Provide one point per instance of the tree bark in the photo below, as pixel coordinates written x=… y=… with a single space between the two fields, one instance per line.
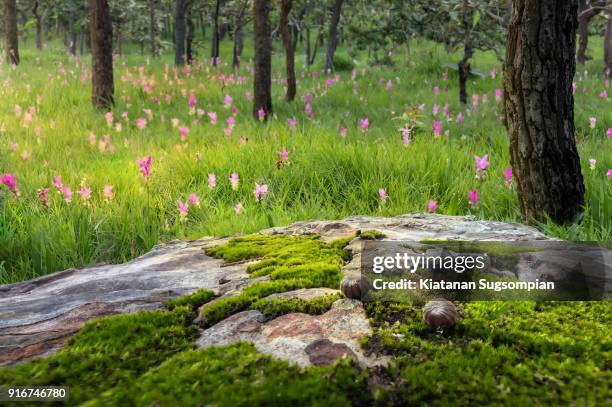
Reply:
x=289 y=50
x=586 y=11
x=10 y=31
x=214 y=49
x=72 y=16
x=190 y=34
x=262 y=81
x=38 y=19
x=608 y=47
x=238 y=39
x=333 y=35
x=468 y=52
x=153 y=27
x=101 y=34
x=179 y=32
x=539 y=106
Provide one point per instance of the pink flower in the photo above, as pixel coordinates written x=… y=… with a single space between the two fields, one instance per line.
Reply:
x=592 y=163
x=493 y=72
x=603 y=94
x=610 y=133
x=84 y=192
x=459 y=117
x=118 y=127
x=212 y=181
x=364 y=124
x=389 y=85
x=498 y=94
x=184 y=132
x=383 y=195
x=183 y=208
x=192 y=101
x=67 y=193
x=57 y=182
x=10 y=182
x=436 y=90
x=230 y=122
x=213 y=117
x=234 y=180
x=482 y=163
x=261 y=114
x=437 y=128
x=141 y=123
x=284 y=154
x=435 y=109
x=343 y=131
x=406 y=136
x=475 y=100
x=260 y=191
x=292 y=123
x=238 y=208
x=574 y=87
x=609 y=174
x=228 y=101
x=107 y=193
x=432 y=206
x=508 y=176
x=473 y=198
x=43 y=197
x=145 y=166
x=194 y=199
x=308 y=110
x=109 y=118
x=592 y=122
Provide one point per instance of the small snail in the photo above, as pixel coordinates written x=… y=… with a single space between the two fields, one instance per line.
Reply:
x=352 y=288
x=440 y=314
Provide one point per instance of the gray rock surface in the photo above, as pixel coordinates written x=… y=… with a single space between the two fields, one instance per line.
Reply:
x=37 y=316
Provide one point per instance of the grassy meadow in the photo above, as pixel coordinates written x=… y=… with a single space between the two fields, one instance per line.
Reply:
x=333 y=168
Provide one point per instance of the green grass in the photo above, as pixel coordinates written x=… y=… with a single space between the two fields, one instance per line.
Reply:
x=329 y=176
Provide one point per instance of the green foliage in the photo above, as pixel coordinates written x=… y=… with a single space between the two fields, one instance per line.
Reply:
x=274 y=307
x=291 y=262
x=343 y=62
x=192 y=300
x=372 y=235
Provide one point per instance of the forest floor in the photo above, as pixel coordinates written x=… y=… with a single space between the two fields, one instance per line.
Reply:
x=106 y=207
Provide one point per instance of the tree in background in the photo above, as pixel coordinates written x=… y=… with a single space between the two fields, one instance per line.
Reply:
x=10 y=31
x=238 y=13
x=333 y=35
x=586 y=11
x=216 y=36
x=608 y=43
x=289 y=48
x=179 y=32
x=539 y=106
x=101 y=34
x=262 y=81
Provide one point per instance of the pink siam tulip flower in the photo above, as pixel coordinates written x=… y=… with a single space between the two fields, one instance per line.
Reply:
x=574 y=87
x=284 y=154
x=432 y=206
x=382 y=194
x=260 y=191
x=228 y=101
x=364 y=124
x=261 y=114
x=592 y=122
x=194 y=199
x=437 y=128
x=435 y=109
x=389 y=85
x=603 y=94
x=485 y=99
x=238 y=208
x=292 y=123
x=10 y=182
x=183 y=208
x=67 y=193
x=43 y=197
x=234 y=180
x=508 y=176
x=609 y=174
x=482 y=163
x=498 y=95
x=475 y=102
x=473 y=198
x=308 y=110
x=141 y=123
x=145 y=166
x=84 y=192
x=18 y=110
x=493 y=72
x=109 y=119
x=234 y=111
x=228 y=131
x=459 y=117
x=436 y=90
x=192 y=102
x=610 y=133
x=213 y=117
x=230 y=122
x=212 y=180
x=343 y=131
x=592 y=163
x=107 y=193
x=406 y=136
x=118 y=127
x=184 y=133
x=57 y=182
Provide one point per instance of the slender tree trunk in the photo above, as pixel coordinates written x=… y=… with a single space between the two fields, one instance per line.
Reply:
x=608 y=47
x=586 y=11
x=238 y=39
x=72 y=29
x=214 y=49
x=289 y=50
x=318 y=42
x=333 y=35
x=153 y=27
x=468 y=52
x=307 y=46
x=179 y=32
x=10 y=31
x=190 y=34
x=101 y=32
x=202 y=25
x=38 y=19
x=262 y=81
x=539 y=105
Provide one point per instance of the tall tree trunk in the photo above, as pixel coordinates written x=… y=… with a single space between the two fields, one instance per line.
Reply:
x=318 y=42
x=72 y=16
x=190 y=34
x=289 y=50
x=214 y=49
x=539 y=104
x=10 y=31
x=333 y=35
x=262 y=81
x=238 y=39
x=202 y=25
x=179 y=32
x=101 y=33
x=608 y=47
x=586 y=11
x=38 y=19
x=468 y=52
x=307 y=46
x=153 y=27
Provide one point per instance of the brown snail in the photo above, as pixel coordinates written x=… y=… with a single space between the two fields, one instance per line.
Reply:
x=440 y=314
x=352 y=288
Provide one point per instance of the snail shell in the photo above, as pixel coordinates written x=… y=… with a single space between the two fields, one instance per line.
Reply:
x=440 y=313
x=352 y=288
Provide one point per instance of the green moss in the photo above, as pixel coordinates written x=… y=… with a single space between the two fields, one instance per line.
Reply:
x=291 y=262
x=108 y=353
x=274 y=307
x=192 y=300
x=372 y=235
